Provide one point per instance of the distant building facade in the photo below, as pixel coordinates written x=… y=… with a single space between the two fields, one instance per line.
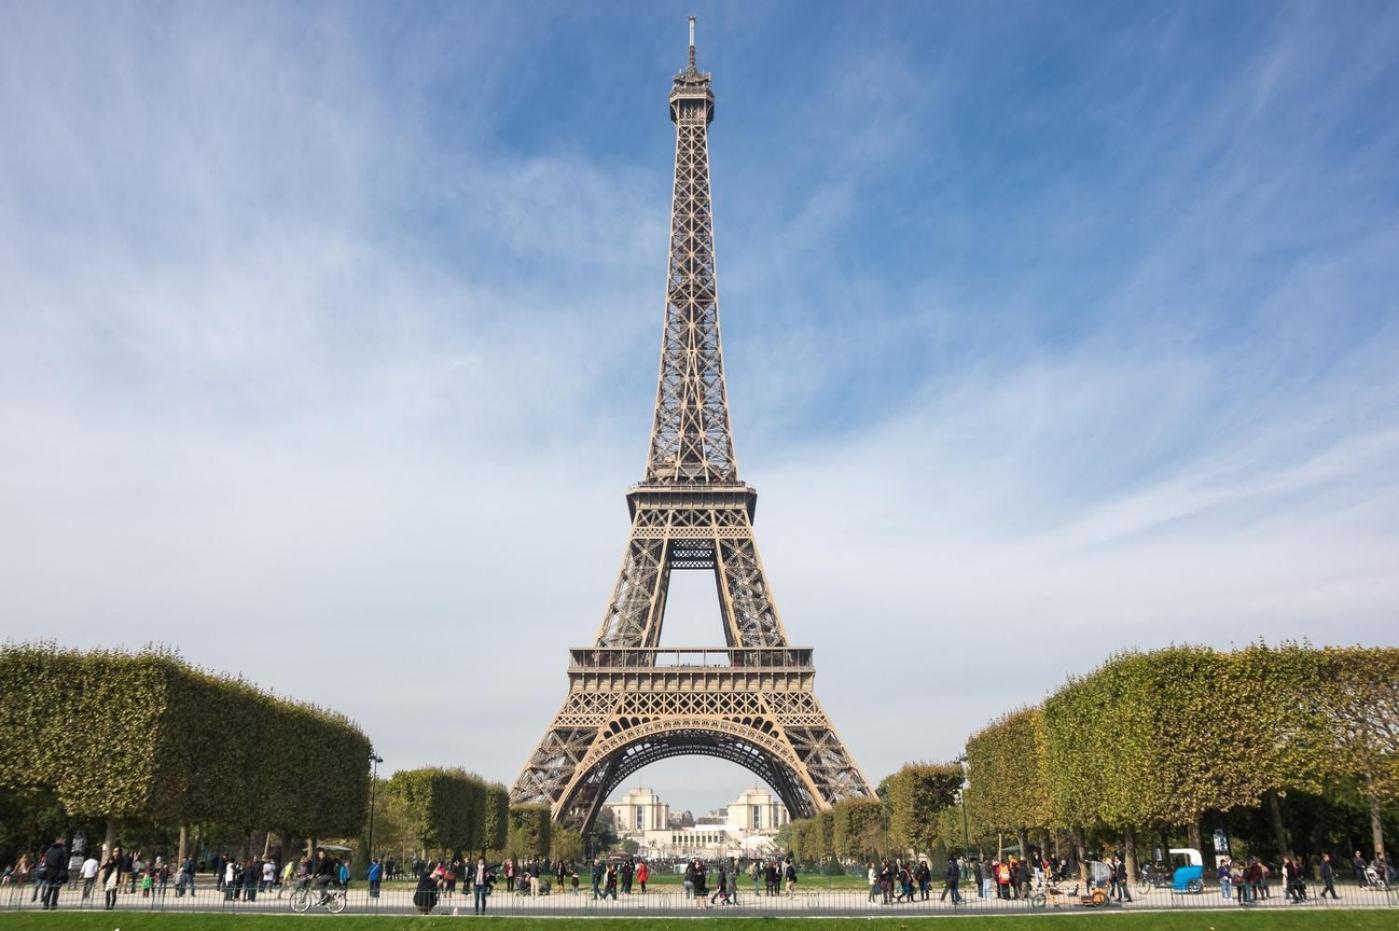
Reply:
x=744 y=827
x=639 y=810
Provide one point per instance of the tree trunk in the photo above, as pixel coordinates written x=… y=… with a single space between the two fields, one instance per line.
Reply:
x=1023 y=841
x=110 y=841
x=1044 y=843
x=1376 y=825
x=1275 y=820
x=184 y=845
x=1079 y=855
x=1059 y=845
x=1129 y=849
x=266 y=845
x=1192 y=832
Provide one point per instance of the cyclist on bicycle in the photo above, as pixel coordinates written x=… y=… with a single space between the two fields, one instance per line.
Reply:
x=324 y=873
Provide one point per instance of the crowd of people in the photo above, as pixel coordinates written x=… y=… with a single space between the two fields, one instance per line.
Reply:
x=125 y=872
x=891 y=881
x=119 y=872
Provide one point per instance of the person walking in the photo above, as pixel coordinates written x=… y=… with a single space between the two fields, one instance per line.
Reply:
x=951 y=882
x=643 y=873
x=609 y=882
x=375 y=876
x=720 y=893
x=186 y=881
x=598 y=873
x=1118 y=880
x=89 y=874
x=1328 y=877
x=55 y=872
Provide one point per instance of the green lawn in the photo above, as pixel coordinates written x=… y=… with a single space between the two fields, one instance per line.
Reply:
x=1329 y=920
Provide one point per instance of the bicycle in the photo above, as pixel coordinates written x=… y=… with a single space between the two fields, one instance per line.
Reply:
x=306 y=897
x=1154 y=876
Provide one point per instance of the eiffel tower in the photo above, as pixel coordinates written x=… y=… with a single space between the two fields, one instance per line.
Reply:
x=631 y=702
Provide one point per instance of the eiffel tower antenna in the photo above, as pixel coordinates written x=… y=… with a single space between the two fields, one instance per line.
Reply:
x=632 y=702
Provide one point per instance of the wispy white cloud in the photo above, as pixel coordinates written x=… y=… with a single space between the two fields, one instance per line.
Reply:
x=315 y=365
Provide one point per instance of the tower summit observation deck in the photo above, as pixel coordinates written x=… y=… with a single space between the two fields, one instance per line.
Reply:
x=631 y=702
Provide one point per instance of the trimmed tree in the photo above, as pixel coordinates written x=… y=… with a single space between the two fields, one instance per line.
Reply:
x=440 y=807
x=495 y=808
x=1358 y=696
x=857 y=829
x=529 y=834
x=914 y=796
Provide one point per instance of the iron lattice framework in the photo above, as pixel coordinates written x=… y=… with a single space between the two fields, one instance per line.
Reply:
x=630 y=702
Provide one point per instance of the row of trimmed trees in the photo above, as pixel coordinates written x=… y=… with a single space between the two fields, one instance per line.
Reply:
x=142 y=743
x=446 y=813
x=145 y=737
x=1159 y=739
x=907 y=815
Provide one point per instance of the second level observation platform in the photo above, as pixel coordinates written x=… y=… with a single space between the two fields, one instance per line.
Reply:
x=686 y=669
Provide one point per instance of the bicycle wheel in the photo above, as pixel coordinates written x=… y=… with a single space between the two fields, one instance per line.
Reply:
x=1194 y=886
x=1038 y=900
x=336 y=905
x=301 y=900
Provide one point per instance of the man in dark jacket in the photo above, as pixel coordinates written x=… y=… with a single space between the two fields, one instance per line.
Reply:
x=1328 y=877
x=950 y=882
x=55 y=872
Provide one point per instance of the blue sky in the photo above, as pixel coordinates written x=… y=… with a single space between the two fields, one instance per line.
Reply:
x=326 y=329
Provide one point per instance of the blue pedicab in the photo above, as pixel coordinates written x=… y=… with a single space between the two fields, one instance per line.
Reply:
x=1189 y=872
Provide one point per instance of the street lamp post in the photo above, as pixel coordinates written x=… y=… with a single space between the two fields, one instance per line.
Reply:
x=374 y=760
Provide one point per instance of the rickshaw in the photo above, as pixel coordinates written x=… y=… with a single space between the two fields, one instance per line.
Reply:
x=1095 y=892
x=1189 y=873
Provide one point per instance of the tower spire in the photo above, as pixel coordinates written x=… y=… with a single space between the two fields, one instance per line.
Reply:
x=690 y=439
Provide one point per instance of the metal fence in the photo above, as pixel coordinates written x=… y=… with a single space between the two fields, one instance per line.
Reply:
x=671 y=901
